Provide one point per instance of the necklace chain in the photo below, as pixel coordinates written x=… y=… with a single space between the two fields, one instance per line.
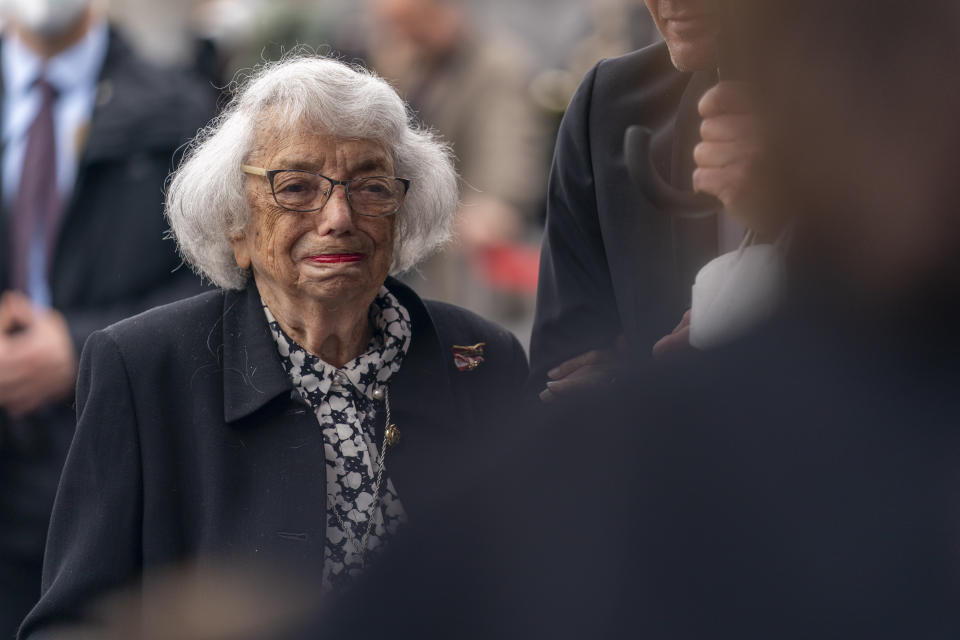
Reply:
x=361 y=547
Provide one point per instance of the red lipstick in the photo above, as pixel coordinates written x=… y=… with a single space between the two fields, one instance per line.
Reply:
x=336 y=258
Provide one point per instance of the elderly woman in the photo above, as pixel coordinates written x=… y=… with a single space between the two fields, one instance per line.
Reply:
x=301 y=412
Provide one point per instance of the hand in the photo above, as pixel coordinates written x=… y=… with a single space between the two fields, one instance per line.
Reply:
x=730 y=156
x=38 y=363
x=677 y=341
x=16 y=313
x=587 y=371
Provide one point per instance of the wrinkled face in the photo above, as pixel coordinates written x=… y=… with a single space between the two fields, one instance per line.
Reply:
x=332 y=255
x=690 y=28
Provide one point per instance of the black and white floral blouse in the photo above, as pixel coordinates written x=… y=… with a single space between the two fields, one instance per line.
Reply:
x=344 y=403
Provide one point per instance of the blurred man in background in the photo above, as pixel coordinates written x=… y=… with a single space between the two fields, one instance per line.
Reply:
x=89 y=133
x=474 y=89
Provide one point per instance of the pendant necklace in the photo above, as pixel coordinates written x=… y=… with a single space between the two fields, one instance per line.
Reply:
x=391 y=436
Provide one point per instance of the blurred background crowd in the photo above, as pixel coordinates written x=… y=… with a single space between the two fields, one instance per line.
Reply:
x=492 y=76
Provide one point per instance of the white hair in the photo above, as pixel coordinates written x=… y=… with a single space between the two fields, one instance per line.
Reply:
x=206 y=203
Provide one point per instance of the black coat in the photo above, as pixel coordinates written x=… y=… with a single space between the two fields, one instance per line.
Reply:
x=110 y=261
x=192 y=441
x=612 y=262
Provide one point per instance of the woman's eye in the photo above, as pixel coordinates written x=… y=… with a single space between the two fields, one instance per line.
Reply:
x=294 y=187
x=374 y=188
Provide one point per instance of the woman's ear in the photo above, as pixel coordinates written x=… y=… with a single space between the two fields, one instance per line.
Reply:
x=241 y=251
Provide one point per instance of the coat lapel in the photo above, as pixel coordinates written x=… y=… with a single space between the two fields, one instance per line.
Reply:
x=423 y=408
x=274 y=446
x=252 y=372
x=637 y=233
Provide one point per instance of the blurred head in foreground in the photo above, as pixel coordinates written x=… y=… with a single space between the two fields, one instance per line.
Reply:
x=862 y=101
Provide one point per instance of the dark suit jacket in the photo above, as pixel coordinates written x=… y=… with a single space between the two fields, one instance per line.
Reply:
x=110 y=260
x=192 y=441
x=612 y=262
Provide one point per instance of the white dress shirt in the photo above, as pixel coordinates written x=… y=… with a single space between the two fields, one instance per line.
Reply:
x=74 y=73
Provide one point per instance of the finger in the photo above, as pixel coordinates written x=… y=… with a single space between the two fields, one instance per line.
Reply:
x=684 y=321
x=568 y=386
x=20 y=360
x=726 y=128
x=586 y=378
x=679 y=341
x=547 y=396
x=16 y=311
x=573 y=364
x=13 y=390
x=726 y=183
x=565 y=386
x=6 y=312
x=16 y=393
x=12 y=362
x=727 y=98
x=721 y=154
x=16 y=300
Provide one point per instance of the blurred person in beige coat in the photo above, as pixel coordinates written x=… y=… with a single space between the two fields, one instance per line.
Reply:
x=473 y=88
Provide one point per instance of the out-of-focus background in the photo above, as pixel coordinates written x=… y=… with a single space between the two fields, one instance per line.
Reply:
x=493 y=77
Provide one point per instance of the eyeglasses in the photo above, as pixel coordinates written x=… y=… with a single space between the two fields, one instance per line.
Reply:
x=305 y=191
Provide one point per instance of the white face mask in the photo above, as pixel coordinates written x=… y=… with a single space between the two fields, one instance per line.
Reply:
x=46 y=18
x=734 y=293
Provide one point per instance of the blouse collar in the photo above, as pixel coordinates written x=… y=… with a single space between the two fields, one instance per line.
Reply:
x=367 y=372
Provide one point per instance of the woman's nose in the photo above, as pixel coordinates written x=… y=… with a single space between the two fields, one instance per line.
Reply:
x=336 y=216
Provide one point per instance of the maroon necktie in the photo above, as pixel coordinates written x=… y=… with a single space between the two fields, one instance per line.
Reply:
x=37 y=202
